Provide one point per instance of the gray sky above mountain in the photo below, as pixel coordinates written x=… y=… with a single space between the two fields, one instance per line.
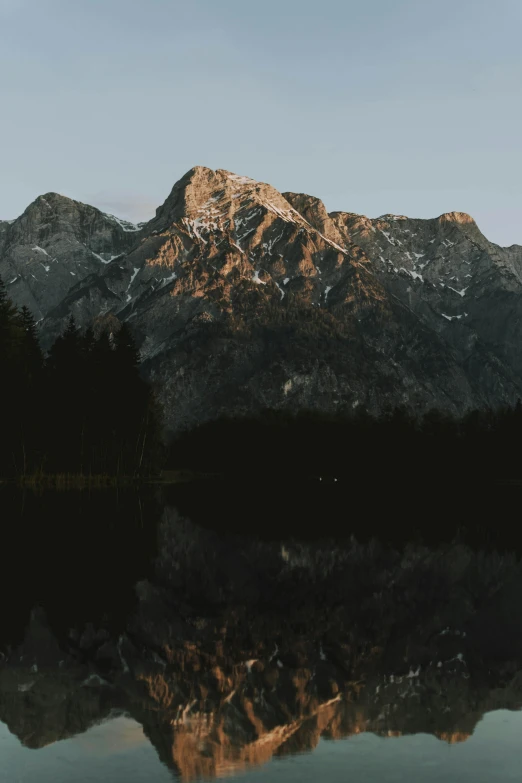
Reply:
x=411 y=106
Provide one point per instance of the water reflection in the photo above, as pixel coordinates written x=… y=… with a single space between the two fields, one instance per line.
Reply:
x=117 y=750
x=134 y=630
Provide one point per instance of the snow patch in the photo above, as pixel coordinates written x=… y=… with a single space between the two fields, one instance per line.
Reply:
x=281 y=291
x=453 y=317
x=133 y=276
x=124 y=663
x=126 y=225
x=239 y=179
x=284 y=214
x=268 y=246
x=244 y=236
x=93 y=679
x=196 y=225
x=167 y=280
x=414 y=275
x=333 y=244
x=108 y=261
x=102 y=259
x=327 y=291
x=460 y=293
x=256 y=279
x=40 y=249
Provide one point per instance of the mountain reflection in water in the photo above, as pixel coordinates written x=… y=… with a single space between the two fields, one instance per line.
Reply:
x=105 y=753
x=131 y=627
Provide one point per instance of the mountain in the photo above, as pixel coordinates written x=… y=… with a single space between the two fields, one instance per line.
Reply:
x=244 y=298
x=56 y=243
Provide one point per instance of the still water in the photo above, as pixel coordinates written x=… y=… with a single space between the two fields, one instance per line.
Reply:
x=117 y=751
x=197 y=635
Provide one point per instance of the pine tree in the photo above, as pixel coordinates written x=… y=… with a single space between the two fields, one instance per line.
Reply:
x=4 y=301
x=137 y=415
x=126 y=352
x=10 y=326
x=12 y=382
x=65 y=392
x=32 y=352
x=87 y=342
x=84 y=409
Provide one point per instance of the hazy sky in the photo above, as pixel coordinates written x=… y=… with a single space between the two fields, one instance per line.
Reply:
x=404 y=106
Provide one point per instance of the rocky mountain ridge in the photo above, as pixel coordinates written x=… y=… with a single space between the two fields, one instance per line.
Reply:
x=53 y=242
x=244 y=298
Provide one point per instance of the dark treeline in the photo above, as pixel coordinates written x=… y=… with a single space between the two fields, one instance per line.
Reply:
x=82 y=409
x=482 y=445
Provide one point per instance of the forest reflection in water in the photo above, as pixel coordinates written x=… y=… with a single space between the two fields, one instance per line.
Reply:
x=225 y=648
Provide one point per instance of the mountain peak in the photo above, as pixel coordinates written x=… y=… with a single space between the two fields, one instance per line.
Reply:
x=390 y=216
x=51 y=203
x=203 y=190
x=457 y=217
x=55 y=204
x=52 y=198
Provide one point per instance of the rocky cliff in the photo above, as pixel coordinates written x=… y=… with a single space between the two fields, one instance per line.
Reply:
x=56 y=244
x=244 y=298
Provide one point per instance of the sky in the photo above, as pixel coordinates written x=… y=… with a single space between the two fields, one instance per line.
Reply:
x=410 y=107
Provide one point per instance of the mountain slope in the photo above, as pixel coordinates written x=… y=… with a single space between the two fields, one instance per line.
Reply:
x=56 y=242
x=243 y=298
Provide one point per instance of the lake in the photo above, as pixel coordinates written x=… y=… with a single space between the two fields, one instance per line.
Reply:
x=118 y=751
x=257 y=633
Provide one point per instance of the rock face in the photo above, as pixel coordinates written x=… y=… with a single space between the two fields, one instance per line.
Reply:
x=243 y=298
x=55 y=244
